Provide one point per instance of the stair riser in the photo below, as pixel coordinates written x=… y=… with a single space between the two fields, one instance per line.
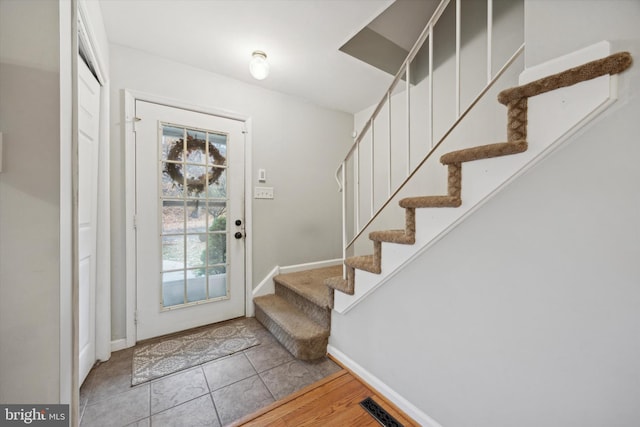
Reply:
x=320 y=315
x=307 y=350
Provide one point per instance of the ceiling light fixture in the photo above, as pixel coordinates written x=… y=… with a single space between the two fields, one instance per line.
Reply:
x=258 y=66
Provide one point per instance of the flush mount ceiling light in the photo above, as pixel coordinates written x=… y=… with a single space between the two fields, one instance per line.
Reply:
x=258 y=66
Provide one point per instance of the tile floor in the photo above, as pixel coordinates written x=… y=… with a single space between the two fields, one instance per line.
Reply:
x=213 y=394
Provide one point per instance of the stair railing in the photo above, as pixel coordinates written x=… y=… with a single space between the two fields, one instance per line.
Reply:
x=351 y=231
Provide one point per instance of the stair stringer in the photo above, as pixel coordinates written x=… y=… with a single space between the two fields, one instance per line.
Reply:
x=553 y=117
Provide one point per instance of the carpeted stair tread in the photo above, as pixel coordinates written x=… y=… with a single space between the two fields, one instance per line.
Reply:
x=431 y=202
x=612 y=64
x=339 y=284
x=393 y=236
x=364 y=262
x=292 y=320
x=310 y=283
x=484 y=152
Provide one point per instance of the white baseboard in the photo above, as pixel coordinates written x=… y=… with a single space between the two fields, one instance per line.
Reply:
x=310 y=265
x=402 y=403
x=118 y=345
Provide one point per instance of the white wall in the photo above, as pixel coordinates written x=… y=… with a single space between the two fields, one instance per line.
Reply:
x=29 y=202
x=527 y=313
x=298 y=143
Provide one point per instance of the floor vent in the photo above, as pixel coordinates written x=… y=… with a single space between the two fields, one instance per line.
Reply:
x=378 y=412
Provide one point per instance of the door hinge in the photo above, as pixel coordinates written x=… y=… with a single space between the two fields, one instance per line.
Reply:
x=135 y=317
x=135 y=123
x=135 y=221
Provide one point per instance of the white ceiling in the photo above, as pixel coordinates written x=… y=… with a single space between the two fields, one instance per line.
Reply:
x=300 y=37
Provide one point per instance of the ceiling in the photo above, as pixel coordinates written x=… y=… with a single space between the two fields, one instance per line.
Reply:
x=300 y=37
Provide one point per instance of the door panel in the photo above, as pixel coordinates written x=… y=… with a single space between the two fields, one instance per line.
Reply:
x=189 y=193
x=88 y=152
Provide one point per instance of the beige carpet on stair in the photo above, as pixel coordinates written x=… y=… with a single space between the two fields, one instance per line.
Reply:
x=172 y=354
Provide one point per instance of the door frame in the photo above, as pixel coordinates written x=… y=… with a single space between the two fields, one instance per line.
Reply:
x=73 y=17
x=128 y=122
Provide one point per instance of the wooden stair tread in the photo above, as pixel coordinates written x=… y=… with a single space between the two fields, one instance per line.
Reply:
x=309 y=284
x=484 y=152
x=393 y=236
x=431 y=202
x=365 y=262
x=290 y=318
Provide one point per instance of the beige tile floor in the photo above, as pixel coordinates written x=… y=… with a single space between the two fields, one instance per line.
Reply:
x=213 y=394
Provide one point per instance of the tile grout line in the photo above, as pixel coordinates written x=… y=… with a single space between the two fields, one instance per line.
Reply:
x=213 y=402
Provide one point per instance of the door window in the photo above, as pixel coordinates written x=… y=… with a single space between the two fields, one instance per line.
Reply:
x=193 y=203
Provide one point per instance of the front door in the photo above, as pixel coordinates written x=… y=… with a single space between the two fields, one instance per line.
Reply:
x=189 y=219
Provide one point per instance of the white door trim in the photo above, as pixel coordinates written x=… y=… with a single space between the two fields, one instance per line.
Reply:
x=130 y=97
x=68 y=381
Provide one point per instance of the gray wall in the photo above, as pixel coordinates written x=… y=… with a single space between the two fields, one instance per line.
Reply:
x=527 y=313
x=298 y=143
x=29 y=202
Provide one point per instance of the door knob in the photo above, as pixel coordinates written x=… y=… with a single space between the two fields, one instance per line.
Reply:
x=238 y=222
x=238 y=235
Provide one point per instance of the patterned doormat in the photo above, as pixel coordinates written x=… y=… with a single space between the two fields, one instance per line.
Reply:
x=173 y=354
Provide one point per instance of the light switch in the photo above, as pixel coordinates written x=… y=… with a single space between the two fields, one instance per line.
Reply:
x=262 y=175
x=263 y=193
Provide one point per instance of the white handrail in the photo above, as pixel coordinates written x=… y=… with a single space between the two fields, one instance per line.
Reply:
x=405 y=72
x=337 y=177
x=499 y=74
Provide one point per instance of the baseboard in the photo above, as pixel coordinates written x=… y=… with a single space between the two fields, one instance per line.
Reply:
x=118 y=345
x=310 y=265
x=386 y=391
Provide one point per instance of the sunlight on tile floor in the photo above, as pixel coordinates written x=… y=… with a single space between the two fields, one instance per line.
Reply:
x=213 y=394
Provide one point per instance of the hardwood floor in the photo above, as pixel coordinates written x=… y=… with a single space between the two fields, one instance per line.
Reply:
x=334 y=401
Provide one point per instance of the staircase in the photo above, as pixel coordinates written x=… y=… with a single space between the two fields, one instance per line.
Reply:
x=299 y=313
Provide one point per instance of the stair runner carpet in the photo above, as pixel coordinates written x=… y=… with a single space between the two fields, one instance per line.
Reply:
x=299 y=313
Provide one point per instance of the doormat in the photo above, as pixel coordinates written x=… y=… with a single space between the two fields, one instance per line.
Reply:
x=173 y=354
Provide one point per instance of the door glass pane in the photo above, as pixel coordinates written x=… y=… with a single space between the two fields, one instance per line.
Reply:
x=196 y=287
x=219 y=142
x=172 y=252
x=172 y=216
x=170 y=188
x=196 y=250
x=217 y=182
x=172 y=138
x=173 y=288
x=217 y=282
x=217 y=248
x=194 y=224
x=196 y=179
x=196 y=216
x=217 y=216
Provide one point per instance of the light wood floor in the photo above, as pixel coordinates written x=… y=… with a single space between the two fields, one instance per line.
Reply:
x=334 y=401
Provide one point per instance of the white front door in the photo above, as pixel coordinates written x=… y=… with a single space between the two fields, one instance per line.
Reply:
x=88 y=152
x=189 y=219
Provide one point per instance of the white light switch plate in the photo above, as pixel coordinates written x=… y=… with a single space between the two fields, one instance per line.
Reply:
x=263 y=193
